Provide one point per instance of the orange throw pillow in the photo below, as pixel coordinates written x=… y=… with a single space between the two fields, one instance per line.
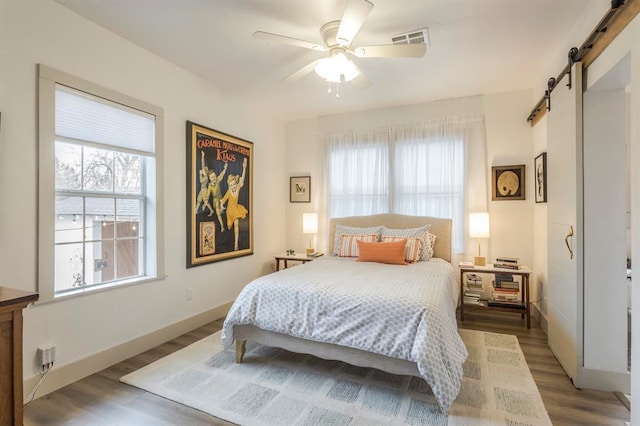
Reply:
x=391 y=253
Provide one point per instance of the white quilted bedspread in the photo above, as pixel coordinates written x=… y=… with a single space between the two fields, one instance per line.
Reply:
x=405 y=312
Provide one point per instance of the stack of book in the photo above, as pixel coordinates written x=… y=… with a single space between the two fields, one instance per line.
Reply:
x=474 y=292
x=474 y=281
x=507 y=263
x=506 y=292
x=471 y=298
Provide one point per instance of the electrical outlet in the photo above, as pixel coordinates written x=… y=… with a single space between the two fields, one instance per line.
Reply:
x=189 y=293
x=47 y=356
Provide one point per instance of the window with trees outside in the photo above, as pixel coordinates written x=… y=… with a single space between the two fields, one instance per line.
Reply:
x=98 y=186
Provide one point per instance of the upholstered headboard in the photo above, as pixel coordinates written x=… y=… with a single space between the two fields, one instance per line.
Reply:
x=440 y=227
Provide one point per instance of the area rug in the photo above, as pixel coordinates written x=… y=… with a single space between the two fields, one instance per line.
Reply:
x=276 y=387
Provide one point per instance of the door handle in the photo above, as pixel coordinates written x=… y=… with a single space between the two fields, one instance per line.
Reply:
x=566 y=241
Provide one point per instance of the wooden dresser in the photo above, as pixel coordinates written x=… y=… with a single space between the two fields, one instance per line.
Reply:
x=11 y=304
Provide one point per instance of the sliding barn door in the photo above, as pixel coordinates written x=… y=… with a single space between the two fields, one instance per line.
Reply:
x=564 y=174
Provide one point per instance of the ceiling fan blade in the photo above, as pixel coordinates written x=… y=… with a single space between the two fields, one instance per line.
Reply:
x=361 y=81
x=355 y=12
x=296 y=75
x=415 y=50
x=276 y=38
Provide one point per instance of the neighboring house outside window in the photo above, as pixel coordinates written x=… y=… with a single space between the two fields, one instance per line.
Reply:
x=99 y=209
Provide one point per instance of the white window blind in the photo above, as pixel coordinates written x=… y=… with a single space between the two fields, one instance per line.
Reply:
x=89 y=118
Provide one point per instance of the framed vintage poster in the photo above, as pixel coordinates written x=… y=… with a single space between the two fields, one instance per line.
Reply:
x=219 y=196
x=300 y=189
x=540 y=167
x=508 y=182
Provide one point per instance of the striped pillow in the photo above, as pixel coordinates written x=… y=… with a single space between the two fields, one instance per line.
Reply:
x=352 y=230
x=421 y=232
x=391 y=253
x=412 y=249
x=348 y=246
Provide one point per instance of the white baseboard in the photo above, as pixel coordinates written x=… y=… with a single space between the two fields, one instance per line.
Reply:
x=59 y=377
x=608 y=381
x=537 y=314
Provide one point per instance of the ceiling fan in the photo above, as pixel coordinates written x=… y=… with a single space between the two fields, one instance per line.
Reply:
x=337 y=39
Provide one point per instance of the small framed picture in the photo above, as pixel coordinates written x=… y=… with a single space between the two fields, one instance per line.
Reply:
x=508 y=183
x=300 y=189
x=540 y=167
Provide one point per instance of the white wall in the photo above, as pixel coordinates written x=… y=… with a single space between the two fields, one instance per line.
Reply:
x=577 y=31
x=42 y=31
x=509 y=141
x=628 y=42
x=540 y=274
x=551 y=66
x=605 y=210
x=599 y=354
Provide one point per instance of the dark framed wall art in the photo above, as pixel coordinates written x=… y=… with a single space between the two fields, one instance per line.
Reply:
x=300 y=189
x=508 y=183
x=540 y=168
x=219 y=196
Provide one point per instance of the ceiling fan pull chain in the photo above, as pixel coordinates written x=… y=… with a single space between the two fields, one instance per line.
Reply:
x=329 y=83
x=338 y=90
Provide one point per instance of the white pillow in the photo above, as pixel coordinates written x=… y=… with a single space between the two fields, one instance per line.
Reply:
x=352 y=230
x=422 y=233
x=430 y=244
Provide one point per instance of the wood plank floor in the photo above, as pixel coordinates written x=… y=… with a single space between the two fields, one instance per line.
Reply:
x=101 y=399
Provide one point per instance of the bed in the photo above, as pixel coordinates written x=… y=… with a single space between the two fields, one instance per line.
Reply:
x=398 y=319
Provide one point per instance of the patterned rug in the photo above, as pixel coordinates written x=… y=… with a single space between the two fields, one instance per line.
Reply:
x=276 y=387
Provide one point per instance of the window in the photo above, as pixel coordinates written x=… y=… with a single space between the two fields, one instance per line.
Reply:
x=415 y=170
x=99 y=213
x=429 y=176
x=358 y=178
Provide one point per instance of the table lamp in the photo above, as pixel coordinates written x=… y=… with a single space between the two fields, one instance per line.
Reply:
x=479 y=228
x=310 y=226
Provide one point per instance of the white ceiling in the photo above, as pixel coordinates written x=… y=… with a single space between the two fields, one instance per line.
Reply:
x=477 y=46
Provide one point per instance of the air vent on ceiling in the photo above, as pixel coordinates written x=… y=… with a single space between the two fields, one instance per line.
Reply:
x=417 y=36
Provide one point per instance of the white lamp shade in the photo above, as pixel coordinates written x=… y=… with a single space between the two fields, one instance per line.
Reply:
x=479 y=225
x=337 y=68
x=309 y=223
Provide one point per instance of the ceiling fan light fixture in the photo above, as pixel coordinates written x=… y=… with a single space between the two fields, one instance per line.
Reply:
x=337 y=69
x=343 y=42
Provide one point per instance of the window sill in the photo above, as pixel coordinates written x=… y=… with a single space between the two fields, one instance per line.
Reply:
x=99 y=289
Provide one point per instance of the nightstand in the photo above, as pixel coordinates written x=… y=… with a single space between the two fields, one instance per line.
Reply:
x=521 y=308
x=303 y=258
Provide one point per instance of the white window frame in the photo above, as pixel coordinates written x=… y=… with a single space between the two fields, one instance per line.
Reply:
x=154 y=211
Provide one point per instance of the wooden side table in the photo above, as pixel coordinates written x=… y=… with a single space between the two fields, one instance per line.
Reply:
x=293 y=257
x=523 y=308
x=11 y=304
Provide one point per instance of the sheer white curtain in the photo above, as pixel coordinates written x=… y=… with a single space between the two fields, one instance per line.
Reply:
x=440 y=169
x=357 y=173
x=436 y=168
